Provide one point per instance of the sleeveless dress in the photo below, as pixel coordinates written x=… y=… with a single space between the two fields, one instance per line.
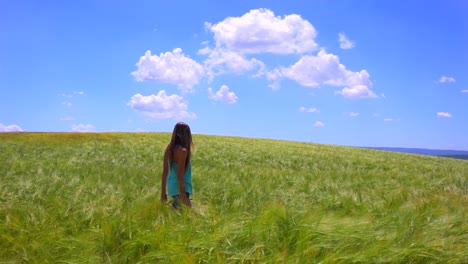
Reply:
x=173 y=182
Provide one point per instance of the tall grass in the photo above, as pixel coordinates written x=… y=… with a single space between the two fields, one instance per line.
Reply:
x=94 y=198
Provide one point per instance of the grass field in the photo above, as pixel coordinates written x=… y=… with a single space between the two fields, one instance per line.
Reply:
x=94 y=198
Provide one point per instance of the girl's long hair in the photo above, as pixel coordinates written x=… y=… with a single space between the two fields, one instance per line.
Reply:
x=181 y=136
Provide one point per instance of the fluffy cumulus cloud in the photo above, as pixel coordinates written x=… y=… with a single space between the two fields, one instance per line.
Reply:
x=444 y=114
x=83 y=128
x=358 y=91
x=345 y=43
x=445 y=79
x=161 y=106
x=237 y=40
x=10 y=128
x=260 y=31
x=464 y=91
x=312 y=71
x=353 y=114
x=223 y=95
x=326 y=69
x=170 y=67
x=222 y=61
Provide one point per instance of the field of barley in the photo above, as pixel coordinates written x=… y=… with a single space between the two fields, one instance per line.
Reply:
x=94 y=198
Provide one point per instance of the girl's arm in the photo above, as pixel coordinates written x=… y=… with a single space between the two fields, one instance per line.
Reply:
x=164 y=177
x=180 y=157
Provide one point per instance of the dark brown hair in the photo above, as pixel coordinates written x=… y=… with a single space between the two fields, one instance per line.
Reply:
x=181 y=136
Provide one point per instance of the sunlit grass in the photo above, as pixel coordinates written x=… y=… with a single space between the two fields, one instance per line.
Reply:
x=94 y=198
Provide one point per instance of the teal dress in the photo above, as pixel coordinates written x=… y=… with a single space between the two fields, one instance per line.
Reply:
x=173 y=183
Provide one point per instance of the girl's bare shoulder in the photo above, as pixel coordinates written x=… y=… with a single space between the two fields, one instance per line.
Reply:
x=180 y=153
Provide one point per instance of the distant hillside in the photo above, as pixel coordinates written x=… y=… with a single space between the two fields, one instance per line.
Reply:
x=465 y=157
x=458 y=154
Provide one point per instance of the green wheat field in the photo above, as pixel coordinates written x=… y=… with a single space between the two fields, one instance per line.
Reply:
x=94 y=198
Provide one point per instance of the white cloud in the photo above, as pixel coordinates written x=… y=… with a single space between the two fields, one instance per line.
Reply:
x=345 y=43
x=67 y=118
x=444 y=114
x=274 y=76
x=83 y=128
x=388 y=119
x=170 y=67
x=445 y=79
x=312 y=71
x=326 y=69
x=208 y=26
x=205 y=51
x=67 y=104
x=10 y=128
x=358 y=91
x=319 y=124
x=161 y=106
x=221 y=61
x=223 y=95
x=309 y=110
x=260 y=31
x=71 y=95
x=353 y=114
x=464 y=91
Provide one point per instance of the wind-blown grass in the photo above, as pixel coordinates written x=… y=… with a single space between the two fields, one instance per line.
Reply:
x=94 y=198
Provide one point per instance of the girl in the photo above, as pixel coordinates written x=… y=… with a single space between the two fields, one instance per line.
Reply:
x=177 y=167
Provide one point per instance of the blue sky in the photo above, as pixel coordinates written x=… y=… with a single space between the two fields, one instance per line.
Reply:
x=357 y=73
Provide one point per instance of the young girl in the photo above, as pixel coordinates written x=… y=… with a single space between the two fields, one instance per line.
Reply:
x=177 y=167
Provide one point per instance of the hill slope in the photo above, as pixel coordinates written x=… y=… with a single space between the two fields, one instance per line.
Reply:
x=93 y=198
x=458 y=154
